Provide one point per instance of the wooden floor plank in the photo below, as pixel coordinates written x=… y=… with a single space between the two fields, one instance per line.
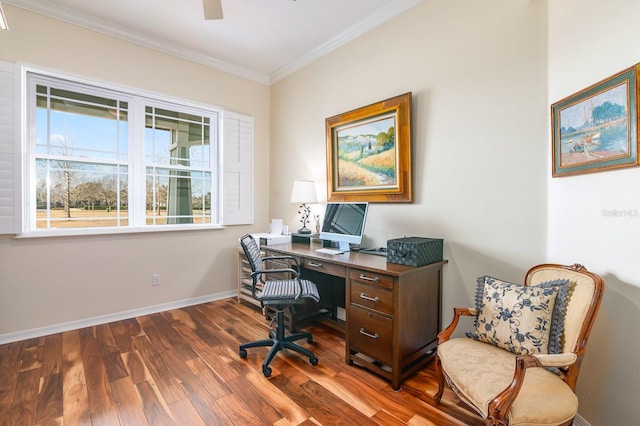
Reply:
x=155 y=409
x=8 y=381
x=123 y=333
x=182 y=367
x=25 y=399
x=49 y=406
x=75 y=399
x=158 y=370
x=238 y=412
x=206 y=405
x=101 y=406
x=136 y=367
x=11 y=353
x=184 y=413
x=208 y=379
x=254 y=400
x=128 y=403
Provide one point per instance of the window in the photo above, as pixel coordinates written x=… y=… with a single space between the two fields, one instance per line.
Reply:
x=83 y=158
x=101 y=159
x=80 y=155
x=178 y=167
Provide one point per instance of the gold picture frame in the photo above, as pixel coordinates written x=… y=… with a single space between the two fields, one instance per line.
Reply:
x=369 y=153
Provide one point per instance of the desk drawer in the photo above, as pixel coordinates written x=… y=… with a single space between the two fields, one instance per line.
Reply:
x=324 y=267
x=370 y=333
x=372 y=297
x=371 y=278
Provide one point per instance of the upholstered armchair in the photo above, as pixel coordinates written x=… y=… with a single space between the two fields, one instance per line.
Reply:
x=520 y=364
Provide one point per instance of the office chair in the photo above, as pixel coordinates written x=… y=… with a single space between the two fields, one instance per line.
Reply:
x=279 y=294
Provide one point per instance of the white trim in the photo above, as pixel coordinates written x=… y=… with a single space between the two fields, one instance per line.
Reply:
x=580 y=421
x=136 y=99
x=71 y=232
x=117 y=316
x=93 y=23
x=7 y=149
x=237 y=169
x=109 y=28
x=26 y=68
x=384 y=14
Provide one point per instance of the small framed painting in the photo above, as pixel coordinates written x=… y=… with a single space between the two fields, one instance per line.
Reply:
x=369 y=153
x=596 y=129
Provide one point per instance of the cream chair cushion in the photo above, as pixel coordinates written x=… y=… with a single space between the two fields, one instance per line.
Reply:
x=578 y=304
x=543 y=400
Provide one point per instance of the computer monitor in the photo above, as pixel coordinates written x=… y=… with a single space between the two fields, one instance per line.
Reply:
x=344 y=223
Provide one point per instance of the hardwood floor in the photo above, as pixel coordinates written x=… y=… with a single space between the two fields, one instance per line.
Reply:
x=181 y=367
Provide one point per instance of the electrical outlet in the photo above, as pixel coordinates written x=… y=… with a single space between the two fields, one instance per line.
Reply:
x=155 y=279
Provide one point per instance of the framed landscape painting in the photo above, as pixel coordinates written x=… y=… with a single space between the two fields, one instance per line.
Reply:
x=596 y=129
x=369 y=153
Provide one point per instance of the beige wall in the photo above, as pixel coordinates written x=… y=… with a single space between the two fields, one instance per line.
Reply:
x=483 y=76
x=49 y=281
x=482 y=85
x=477 y=73
x=590 y=40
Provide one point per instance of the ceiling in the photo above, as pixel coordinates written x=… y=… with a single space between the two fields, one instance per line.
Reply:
x=263 y=40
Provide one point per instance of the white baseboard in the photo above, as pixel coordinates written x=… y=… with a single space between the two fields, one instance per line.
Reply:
x=580 y=421
x=103 y=319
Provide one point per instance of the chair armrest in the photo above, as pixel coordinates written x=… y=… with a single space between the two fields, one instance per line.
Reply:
x=256 y=275
x=282 y=257
x=267 y=272
x=556 y=360
x=445 y=334
x=500 y=405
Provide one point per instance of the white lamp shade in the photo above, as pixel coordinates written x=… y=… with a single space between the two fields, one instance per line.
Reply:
x=304 y=191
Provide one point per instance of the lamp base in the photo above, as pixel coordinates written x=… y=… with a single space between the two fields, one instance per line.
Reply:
x=304 y=230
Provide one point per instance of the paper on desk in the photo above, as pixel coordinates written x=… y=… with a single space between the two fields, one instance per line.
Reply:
x=276 y=227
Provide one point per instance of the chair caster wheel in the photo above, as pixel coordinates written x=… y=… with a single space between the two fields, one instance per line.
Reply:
x=266 y=371
x=313 y=360
x=309 y=339
x=243 y=353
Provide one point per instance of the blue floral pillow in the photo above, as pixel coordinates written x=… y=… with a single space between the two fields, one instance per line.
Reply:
x=521 y=319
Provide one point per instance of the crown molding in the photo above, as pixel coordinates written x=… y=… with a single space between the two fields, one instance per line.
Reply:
x=108 y=28
x=382 y=15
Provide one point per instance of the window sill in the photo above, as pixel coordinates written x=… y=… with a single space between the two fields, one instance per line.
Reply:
x=113 y=231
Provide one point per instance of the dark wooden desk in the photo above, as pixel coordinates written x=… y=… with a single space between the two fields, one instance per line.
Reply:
x=393 y=312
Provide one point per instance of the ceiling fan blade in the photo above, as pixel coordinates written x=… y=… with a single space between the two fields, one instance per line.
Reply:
x=212 y=9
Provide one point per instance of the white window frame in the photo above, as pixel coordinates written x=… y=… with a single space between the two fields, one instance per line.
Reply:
x=224 y=215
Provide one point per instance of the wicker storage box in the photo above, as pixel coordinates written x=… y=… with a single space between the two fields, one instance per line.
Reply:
x=414 y=251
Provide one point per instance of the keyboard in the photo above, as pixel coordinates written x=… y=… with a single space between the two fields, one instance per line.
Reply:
x=329 y=251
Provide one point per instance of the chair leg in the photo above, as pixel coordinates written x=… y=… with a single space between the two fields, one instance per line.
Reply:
x=440 y=378
x=278 y=343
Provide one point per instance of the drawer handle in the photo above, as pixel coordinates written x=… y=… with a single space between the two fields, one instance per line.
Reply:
x=366 y=278
x=315 y=265
x=373 y=336
x=371 y=299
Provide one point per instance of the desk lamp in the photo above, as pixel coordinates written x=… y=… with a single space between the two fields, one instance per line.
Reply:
x=304 y=191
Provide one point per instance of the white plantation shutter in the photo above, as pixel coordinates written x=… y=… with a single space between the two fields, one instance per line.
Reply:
x=8 y=211
x=237 y=169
